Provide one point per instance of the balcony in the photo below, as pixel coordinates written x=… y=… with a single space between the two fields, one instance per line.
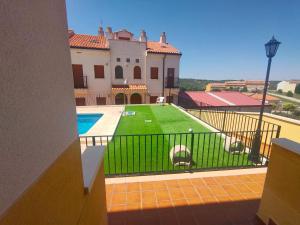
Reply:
x=80 y=82
x=171 y=82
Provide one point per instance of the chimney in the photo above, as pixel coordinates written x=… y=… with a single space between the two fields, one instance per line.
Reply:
x=143 y=36
x=71 y=33
x=109 y=33
x=163 y=38
x=100 y=31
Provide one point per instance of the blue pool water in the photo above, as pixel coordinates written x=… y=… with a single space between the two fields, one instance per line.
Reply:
x=86 y=121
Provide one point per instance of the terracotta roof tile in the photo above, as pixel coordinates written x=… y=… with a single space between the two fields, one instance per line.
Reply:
x=157 y=47
x=88 y=41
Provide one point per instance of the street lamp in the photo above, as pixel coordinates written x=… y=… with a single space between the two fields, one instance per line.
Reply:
x=271 y=49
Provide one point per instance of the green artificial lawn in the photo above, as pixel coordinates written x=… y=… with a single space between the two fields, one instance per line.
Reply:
x=142 y=143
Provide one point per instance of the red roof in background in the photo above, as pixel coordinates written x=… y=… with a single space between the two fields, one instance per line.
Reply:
x=203 y=97
x=236 y=98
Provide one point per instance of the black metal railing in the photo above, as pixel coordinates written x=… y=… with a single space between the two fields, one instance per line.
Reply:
x=80 y=82
x=179 y=152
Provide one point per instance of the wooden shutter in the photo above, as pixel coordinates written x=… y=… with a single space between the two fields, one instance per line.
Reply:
x=154 y=72
x=99 y=71
x=153 y=99
x=101 y=100
x=137 y=73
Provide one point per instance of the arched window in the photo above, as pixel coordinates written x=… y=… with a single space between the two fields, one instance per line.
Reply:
x=137 y=73
x=118 y=72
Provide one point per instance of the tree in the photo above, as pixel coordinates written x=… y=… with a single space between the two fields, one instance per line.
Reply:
x=297 y=89
x=289 y=107
x=244 y=89
x=279 y=91
x=289 y=94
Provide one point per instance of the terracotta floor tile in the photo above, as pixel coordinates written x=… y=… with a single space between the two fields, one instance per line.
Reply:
x=118 y=208
x=120 y=188
x=222 y=180
x=189 y=192
x=217 y=190
x=179 y=202
x=133 y=187
x=231 y=189
x=164 y=204
x=118 y=198
x=149 y=196
x=210 y=181
x=149 y=205
x=223 y=199
x=198 y=182
x=147 y=186
x=184 y=183
x=194 y=201
x=237 y=197
x=243 y=188
x=172 y=184
x=163 y=195
x=254 y=187
x=204 y=192
x=109 y=187
x=211 y=199
x=133 y=197
x=176 y=194
x=134 y=206
x=159 y=185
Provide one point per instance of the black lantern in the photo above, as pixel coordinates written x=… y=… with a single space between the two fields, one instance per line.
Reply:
x=271 y=47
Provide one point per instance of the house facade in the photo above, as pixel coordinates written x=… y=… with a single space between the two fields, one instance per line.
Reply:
x=115 y=67
x=251 y=85
x=287 y=86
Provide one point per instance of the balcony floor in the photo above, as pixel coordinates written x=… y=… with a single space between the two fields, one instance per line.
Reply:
x=218 y=200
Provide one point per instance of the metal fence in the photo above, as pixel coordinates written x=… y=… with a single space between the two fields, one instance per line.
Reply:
x=179 y=152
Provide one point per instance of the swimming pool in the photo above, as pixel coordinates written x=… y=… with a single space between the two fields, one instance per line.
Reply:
x=86 y=121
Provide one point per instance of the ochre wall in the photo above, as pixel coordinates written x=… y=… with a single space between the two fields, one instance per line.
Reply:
x=280 y=199
x=57 y=196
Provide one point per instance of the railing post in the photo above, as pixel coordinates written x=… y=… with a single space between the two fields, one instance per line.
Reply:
x=192 y=148
x=224 y=121
x=94 y=140
x=278 y=131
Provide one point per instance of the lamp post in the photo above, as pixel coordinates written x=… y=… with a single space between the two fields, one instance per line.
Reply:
x=271 y=49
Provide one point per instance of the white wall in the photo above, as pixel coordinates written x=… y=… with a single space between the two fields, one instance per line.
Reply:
x=286 y=86
x=88 y=58
x=37 y=116
x=127 y=49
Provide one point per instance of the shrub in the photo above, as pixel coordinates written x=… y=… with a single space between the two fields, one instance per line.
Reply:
x=244 y=89
x=289 y=107
x=289 y=94
x=279 y=91
x=237 y=147
x=296 y=113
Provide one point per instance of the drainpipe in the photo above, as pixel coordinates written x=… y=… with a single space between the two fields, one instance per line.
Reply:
x=163 y=83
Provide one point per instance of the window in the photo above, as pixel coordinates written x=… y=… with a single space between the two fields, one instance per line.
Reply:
x=118 y=60
x=153 y=99
x=137 y=60
x=154 y=73
x=128 y=60
x=118 y=72
x=137 y=73
x=99 y=71
x=80 y=101
x=101 y=100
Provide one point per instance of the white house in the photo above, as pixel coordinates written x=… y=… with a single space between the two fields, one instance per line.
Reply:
x=115 y=67
x=286 y=86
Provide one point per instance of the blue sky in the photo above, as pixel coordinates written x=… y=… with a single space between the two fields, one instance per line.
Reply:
x=219 y=39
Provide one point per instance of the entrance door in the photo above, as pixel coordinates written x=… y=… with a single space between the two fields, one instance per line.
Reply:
x=78 y=75
x=170 y=77
x=135 y=99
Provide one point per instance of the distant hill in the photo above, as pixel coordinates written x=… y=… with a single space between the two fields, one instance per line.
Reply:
x=187 y=84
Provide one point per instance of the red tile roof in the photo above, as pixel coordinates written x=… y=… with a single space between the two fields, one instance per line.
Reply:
x=259 y=96
x=157 y=47
x=88 y=41
x=236 y=98
x=100 y=42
